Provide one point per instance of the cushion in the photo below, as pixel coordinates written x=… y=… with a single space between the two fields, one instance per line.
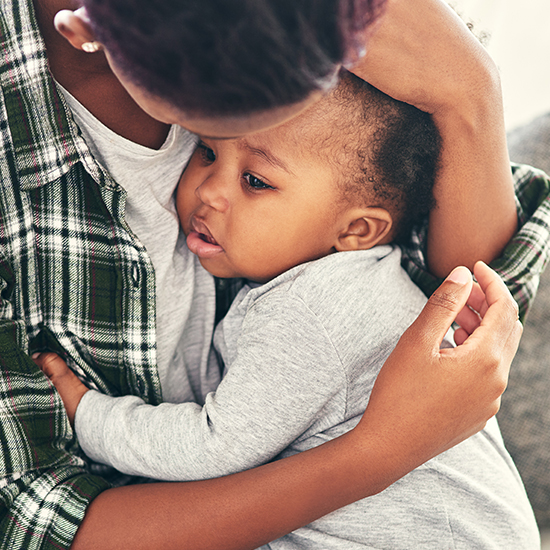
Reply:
x=525 y=412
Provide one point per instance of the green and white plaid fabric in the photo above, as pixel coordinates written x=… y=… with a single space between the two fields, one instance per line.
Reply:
x=75 y=280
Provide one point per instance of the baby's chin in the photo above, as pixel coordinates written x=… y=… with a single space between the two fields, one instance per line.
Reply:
x=223 y=272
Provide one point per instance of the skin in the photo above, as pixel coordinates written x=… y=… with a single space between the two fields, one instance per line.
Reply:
x=423 y=401
x=242 y=219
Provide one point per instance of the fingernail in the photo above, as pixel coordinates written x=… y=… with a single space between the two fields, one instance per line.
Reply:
x=35 y=354
x=460 y=275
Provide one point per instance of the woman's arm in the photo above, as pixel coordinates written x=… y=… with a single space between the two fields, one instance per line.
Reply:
x=424 y=401
x=423 y=54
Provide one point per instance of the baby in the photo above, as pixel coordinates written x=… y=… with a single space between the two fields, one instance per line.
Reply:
x=307 y=213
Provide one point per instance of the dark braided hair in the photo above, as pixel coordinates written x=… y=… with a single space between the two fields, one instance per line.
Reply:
x=231 y=57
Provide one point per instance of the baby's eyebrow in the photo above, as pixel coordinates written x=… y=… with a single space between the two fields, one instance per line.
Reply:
x=266 y=155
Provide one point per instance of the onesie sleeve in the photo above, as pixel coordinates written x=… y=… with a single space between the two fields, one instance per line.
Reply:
x=285 y=382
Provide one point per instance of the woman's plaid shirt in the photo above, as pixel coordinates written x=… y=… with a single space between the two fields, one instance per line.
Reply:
x=74 y=279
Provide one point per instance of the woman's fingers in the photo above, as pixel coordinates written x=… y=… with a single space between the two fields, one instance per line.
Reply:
x=442 y=308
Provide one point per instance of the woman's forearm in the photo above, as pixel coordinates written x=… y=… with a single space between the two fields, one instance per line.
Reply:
x=475 y=216
x=239 y=511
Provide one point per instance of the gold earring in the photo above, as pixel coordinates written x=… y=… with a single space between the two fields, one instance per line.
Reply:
x=90 y=47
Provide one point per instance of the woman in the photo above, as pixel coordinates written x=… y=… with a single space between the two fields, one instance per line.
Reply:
x=94 y=285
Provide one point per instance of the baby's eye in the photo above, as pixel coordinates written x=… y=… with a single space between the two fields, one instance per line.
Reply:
x=256 y=183
x=206 y=153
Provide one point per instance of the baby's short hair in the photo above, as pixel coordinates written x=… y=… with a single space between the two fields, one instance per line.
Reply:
x=385 y=151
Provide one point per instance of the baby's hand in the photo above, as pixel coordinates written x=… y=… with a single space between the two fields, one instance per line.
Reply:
x=64 y=379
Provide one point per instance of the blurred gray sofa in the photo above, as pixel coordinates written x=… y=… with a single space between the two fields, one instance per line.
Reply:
x=525 y=412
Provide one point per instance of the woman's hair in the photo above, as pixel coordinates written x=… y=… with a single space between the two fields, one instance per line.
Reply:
x=231 y=57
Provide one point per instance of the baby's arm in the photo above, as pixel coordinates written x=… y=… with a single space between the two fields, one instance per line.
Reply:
x=266 y=401
x=423 y=54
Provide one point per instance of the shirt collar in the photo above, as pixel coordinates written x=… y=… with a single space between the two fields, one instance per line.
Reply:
x=37 y=116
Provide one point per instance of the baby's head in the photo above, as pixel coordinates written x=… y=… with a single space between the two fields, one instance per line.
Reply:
x=353 y=171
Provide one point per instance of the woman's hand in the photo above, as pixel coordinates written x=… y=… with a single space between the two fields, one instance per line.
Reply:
x=64 y=379
x=435 y=398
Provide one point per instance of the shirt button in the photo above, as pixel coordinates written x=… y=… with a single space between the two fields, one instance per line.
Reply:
x=140 y=385
x=135 y=274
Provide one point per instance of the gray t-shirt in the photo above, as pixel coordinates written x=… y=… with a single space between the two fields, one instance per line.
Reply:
x=301 y=355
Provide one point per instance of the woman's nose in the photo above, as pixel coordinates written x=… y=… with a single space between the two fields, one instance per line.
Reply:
x=213 y=193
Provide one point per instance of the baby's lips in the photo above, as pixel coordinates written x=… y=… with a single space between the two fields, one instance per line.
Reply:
x=202 y=248
x=201 y=228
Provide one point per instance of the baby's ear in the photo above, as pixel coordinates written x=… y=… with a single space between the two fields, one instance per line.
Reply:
x=367 y=227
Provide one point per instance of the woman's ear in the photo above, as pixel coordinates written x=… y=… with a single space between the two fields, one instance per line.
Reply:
x=75 y=27
x=367 y=228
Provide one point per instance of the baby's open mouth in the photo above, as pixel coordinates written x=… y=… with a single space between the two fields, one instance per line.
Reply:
x=200 y=241
x=207 y=238
x=202 y=230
